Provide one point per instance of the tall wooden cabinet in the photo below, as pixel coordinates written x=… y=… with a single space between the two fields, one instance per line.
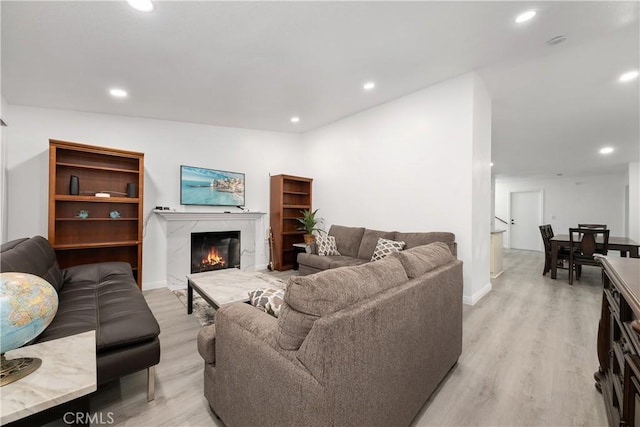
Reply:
x=111 y=229
x=289 y=195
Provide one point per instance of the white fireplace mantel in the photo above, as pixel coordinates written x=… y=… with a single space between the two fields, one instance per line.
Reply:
x=207 y=216
x=179 y=225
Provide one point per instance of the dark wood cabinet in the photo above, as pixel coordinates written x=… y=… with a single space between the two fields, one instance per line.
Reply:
x=619 y=340
x=289 y=195
x=103 y=235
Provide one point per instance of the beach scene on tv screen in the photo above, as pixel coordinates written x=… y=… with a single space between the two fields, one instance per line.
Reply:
x=211 y=187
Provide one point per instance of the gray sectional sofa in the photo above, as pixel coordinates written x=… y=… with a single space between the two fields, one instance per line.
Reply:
x=356 y=246
x=363 y=345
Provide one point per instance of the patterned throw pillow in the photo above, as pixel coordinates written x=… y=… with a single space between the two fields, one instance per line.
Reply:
x=268 y=300
x=386 y=247
x=326 y=245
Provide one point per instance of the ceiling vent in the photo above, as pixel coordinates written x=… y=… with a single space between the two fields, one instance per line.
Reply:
x=556 y=40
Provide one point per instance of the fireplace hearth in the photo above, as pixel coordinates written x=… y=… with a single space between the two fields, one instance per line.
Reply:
x=215 y=250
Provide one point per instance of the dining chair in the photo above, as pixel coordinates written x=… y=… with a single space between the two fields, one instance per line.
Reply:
x=563 y=253
x=584 y=240
x=594 y=226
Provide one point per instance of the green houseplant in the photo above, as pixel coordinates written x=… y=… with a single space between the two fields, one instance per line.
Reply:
x=309 y=224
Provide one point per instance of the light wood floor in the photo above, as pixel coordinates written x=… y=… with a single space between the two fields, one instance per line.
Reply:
x=529 y=353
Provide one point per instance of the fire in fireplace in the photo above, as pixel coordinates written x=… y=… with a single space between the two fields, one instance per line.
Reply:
x=215 y=250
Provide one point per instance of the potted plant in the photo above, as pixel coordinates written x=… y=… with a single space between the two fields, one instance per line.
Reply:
x=309 y=224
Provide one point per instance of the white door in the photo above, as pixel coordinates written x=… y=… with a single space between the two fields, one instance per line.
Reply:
x=526 y=217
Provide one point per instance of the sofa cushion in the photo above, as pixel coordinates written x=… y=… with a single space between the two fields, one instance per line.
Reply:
x=293 y=327
x=346 y=261
x=370 y=241
x=412 y=240
x=386 y=247
x=310 y=297
x=103 y=297
x=421 y=259
x=315 y=261
x=326 y=245
x=33 y=256
x=347 y=239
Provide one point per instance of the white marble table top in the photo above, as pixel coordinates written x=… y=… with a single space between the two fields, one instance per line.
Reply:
x=68 y=371
x=232 y=285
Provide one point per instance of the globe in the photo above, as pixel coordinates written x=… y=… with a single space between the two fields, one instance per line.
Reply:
x=28 y=304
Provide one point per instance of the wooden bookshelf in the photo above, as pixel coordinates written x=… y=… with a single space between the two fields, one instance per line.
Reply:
x=99 y=237
x=289 y=195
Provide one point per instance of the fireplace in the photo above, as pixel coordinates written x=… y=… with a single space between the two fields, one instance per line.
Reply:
x=215 y=250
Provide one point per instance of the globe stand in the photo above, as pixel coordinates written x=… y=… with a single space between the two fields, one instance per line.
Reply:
x=13 y=369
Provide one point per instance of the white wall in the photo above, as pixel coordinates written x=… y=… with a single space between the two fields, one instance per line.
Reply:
x=568 y=201
x=166 y=145
x=418 y=163
x=634 y=201
x=3 y=156
x=481 y=193
x=3 y=170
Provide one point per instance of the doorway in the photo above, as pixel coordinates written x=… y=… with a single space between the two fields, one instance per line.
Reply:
x=526 y=217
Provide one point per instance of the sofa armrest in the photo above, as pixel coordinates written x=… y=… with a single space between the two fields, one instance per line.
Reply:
x=250 y=366
x=254 y=324
x=207 y=344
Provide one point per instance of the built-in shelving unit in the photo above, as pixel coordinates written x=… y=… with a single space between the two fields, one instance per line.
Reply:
x=99 y=237
x=289 y=195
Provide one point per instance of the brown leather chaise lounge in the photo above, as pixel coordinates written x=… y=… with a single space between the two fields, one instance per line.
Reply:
x=103 y=297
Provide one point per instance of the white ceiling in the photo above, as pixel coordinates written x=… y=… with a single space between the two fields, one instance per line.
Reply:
x=256 y=64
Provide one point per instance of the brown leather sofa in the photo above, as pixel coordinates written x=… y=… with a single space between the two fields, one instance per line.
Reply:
x=103 y=297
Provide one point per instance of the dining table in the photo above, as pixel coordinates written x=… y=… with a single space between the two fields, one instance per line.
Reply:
x=625 y=245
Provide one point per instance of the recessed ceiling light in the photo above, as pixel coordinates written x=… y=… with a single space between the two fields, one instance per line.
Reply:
x=491 y=164
x=295 y=119
x=368 y=85
x=524 y=17
x=141 y=5
x=118 y=93
x=628 y=76
x=606 y=150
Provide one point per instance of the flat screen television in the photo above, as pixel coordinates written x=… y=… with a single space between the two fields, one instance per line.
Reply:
x=210 y=187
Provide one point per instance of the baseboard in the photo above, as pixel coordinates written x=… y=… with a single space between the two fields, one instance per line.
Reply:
x=154 y=285
x=493 y=276
x=473 y=299
x=260 y=267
